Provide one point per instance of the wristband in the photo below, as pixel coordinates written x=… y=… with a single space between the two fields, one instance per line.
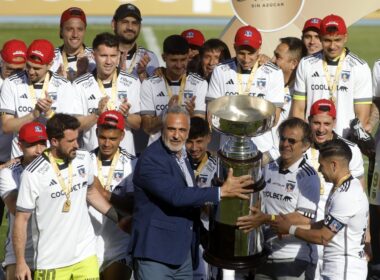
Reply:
x=272 y=218
x=292 y=230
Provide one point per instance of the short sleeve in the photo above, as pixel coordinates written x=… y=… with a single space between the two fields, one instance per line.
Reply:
x=7 y=182
x=376 y=79
x=276 y=92
x=215 y=87
x=91 y=170
x=300 y=82
x=7 y=98
x=147 y=102
x=81 y=108
x=309 y=192
x=134 y=100
x=28 y=192
x=356 y=164
x=363 y=86
x=200 y=100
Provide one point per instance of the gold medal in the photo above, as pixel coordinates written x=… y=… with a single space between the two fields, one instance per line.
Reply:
x=66 y=206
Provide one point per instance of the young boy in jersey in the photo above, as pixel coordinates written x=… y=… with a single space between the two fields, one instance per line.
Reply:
x=73 y=58
x=56 y=189
x=34 y=94
x=32 y=140
x=204 y=166
x=195 y=39
x=135 y=60
x=337 y=74
x=114 y=168
x=342 y=231
x=107 y=88
x=174 y=87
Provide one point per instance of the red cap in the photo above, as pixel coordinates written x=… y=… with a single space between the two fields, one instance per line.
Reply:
x=333 y=24
x=193 y=37
x=323 y=106
x=312 y=23
x=248 y=36
x=73 y=12
x=32 y=132
x=42 y=49
x=13 y=50
x=112 y=118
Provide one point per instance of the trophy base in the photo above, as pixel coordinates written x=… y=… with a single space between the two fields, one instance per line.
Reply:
x=237 y=263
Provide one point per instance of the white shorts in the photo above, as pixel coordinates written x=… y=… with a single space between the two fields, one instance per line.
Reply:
x=338 y=269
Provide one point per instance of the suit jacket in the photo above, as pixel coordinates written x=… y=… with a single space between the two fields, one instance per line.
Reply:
x=163 y=218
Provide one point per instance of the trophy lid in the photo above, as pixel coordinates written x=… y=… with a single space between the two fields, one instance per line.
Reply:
x=241 y=115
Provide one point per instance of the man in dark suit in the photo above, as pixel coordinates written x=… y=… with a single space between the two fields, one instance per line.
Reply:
x=166 y=200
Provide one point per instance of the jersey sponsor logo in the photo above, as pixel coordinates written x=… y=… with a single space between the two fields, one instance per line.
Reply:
x=315 y=74
x=92 y=97
x=25 y=96
x=345 y=76
x=24 y=109
x=289 y=187
x=319 y=87
x=277 y=196
x=161 y=107
x=161 y=94
x=231 y=93
x=260 y=95
x=343 y=88
x=230 y=82
x=74 y=188
x=46 y=274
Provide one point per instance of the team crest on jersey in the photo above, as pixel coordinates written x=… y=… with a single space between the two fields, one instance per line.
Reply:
x=53 y=95
x=202 y=180
x=290 y=186
x=81 y=171
x=345 y=76
x=122 y=95
x=261 y=83
x=188 y=94
x=118 y=176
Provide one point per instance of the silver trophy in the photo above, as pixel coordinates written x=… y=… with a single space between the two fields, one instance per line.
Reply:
x=240 y=117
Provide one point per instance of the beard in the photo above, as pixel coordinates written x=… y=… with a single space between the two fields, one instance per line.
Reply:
x=171 y=147
x=66 y=155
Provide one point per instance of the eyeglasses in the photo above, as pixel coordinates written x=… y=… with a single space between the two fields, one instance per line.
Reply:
x=291 y=141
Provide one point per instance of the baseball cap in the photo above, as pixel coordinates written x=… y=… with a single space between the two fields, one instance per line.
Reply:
x=13 y=50
x=112 y=118
x=73 y=12
x=32 y=132
x=42 y=49
x=333 y=24
x=312 y=23
x=323 y=106
x=248 y=36
x=193 y=37
x=125 y=10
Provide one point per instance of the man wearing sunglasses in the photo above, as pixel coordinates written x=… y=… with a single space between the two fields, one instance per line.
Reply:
x=292 y=188
x=322 y=121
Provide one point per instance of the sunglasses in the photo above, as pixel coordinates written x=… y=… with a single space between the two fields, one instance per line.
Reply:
x=291 y=141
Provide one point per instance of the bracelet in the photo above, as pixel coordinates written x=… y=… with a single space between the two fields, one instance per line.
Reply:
x=292 y=230
x=272 y=218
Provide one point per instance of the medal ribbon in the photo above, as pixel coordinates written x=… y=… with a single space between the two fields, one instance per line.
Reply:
x=111 y=103
x=201 y=165
x=65 y=188
x=108 y=183
x=250 y=79
x=333 y=84
x=32 y=92
x=181 y=88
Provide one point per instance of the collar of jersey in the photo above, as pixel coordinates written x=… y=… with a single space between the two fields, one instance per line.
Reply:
x=293 y=168
x=60 y=162
x=131 y=52
x=335 y=61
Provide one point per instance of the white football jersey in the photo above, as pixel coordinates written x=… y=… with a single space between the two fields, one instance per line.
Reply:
x=5 y=139
x=60 y=238
x=293 y=190
x=128 y=87
x=9 y=182
x=374 y=196
x=111 y=241
x=155 y=97
x=268 y=83
x=134 y=57
x=347 y=213
x=16 y=100
x=354 y=86
x=72 y=61
x=206 y=174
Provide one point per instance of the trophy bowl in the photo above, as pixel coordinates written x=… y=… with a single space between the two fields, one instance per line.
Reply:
x=241 y=115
